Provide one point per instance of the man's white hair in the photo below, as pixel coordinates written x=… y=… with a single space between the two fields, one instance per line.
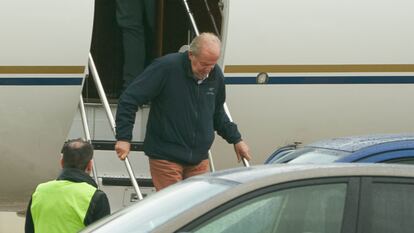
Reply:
x=205 y=38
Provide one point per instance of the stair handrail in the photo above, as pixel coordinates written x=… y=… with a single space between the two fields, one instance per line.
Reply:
x=213 y=21
x=111 y=120
x=88 y=137
x=193 y=23
x=226 y=109
x=190 y=15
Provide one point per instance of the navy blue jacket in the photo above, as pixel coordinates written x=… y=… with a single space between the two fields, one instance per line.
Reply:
x=183 y=114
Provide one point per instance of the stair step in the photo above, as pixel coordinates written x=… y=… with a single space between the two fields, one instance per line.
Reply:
x=125 y=181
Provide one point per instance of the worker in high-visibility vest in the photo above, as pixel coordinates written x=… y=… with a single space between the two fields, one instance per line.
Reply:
x=72 y=201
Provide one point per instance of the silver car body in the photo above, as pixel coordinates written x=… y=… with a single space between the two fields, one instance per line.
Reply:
x=171 y=209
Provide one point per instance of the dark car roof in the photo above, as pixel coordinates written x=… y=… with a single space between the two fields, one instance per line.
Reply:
x=355 y=143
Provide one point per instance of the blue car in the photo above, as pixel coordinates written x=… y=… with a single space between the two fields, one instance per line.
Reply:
x=386 y=148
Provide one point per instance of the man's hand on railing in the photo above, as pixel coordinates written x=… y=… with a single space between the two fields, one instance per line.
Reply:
x=122 y=149
x=242 y=151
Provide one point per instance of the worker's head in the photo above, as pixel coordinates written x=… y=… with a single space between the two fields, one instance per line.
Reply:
x=204 y=53
x=77 y=153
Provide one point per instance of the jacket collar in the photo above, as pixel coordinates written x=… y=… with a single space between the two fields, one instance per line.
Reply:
x=76 y=175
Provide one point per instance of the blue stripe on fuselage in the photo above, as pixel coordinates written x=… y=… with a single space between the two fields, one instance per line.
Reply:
x=40 y=81
x=324 y=80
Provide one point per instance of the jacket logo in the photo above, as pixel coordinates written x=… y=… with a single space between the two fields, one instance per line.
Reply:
x=210 y=91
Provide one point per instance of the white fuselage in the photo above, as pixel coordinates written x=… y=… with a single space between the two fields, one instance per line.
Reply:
x=44 y=51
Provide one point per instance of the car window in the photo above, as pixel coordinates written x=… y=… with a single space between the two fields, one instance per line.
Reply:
x=275 y=157
x=403 y=156
x=156 y=209
x=401 y=161
x=312 y=155
x=313 y=208
x=389 y=207
x=281 y=152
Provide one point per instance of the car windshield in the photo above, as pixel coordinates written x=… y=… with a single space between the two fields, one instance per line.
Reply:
x=312 y=155
x=160 y=207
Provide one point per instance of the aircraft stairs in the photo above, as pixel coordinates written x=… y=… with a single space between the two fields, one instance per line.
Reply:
x=95 y=122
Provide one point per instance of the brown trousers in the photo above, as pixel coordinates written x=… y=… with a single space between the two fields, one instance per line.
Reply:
x=165 y=173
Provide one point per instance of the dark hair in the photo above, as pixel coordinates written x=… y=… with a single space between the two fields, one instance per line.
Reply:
x=77 y=153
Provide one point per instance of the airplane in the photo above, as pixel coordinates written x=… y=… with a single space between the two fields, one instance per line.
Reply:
x=296 y=71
